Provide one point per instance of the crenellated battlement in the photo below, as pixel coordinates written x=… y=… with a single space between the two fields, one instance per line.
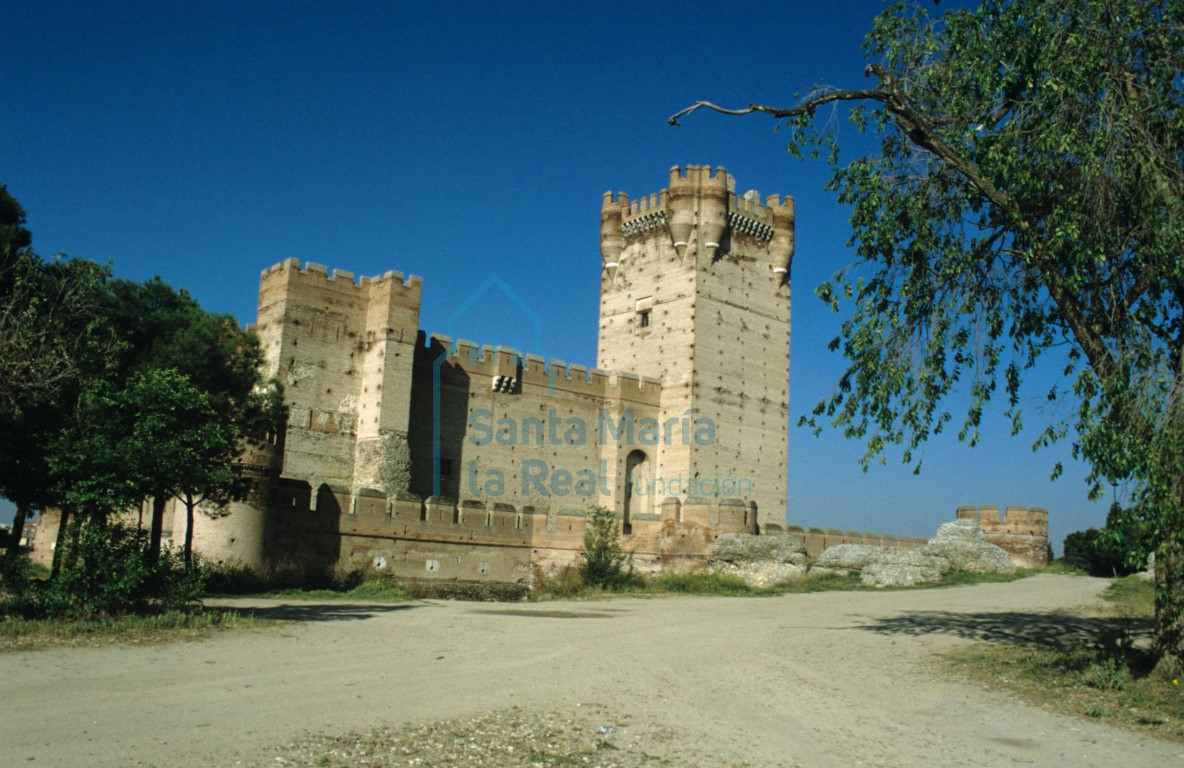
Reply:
x=530 y=371
x=1021 y=531
x=701 y=176
x=320 y=276
x=1016 y=519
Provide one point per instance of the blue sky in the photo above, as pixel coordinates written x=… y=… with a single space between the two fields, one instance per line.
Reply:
x=205 y=141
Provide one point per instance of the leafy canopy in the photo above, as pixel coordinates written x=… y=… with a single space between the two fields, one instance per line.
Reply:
x=1027 y=197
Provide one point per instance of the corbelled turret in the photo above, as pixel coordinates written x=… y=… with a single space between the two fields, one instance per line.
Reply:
x=781 y=245
x=700 y=208
x=611 y=239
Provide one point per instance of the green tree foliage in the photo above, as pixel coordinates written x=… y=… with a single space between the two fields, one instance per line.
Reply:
x=1088 y=551
x=113 y=391
x=157 y=432
x=1027 y=197
x=51 y=336
x=164 y=329
x=603 y=562
x=14 y=237
x=1119 y=549
x=106 y=571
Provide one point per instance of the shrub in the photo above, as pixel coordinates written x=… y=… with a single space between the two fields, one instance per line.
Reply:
x=565 y=582
x=1108 y=674
x=1097 y=553
x=287 y=573
x=106 y=571
x=604 y=563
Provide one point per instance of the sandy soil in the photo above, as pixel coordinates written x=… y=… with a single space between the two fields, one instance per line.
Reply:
x=827 y=679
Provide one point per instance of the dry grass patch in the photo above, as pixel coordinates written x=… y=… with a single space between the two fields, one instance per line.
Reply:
x=1107 y=675
x=18 y=634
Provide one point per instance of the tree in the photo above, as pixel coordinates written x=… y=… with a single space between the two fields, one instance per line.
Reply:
x=14 y=237
x=112 y=391
x=51 y=336
x=604 y=563
x=166 y=329
x=1027 y=198
x=1119 y=549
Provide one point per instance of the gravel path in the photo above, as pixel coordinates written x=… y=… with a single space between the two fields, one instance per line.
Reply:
x=827 y=679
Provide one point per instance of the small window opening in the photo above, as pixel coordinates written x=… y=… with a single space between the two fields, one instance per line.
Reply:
x=643 y=318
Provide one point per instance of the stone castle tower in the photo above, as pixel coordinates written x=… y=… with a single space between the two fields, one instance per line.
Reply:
x=695 y=292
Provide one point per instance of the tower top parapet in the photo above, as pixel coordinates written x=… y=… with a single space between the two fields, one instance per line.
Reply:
x=339 y=279
x=701 y=207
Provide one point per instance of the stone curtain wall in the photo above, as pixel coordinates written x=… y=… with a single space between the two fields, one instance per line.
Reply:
x=471 y=540
x=817 y=539
x=1022 y=532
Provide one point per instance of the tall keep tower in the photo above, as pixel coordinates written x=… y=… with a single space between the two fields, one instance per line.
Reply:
x=695 y=291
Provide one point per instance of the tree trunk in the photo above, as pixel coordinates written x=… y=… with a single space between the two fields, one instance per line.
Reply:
x=60 y=544
x=189 y=505
x=1169 y=607
x=1169 y=587
x=156 y=531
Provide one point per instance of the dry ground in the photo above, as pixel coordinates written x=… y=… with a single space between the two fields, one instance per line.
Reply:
x=824 y=679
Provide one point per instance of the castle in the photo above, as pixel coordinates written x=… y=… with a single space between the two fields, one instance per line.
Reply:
x=681 y=429
x=428 y=459
x=462 y=464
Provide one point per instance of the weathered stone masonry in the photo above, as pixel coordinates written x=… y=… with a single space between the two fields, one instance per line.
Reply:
x=682 y=430
x=1019 y=531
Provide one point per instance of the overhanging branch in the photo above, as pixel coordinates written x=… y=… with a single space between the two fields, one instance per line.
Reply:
x=923 y=133
x=805 y=108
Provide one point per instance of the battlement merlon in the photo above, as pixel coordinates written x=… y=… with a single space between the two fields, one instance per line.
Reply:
x=990 y=515
x=552 y=375
x=317 y=274
x=699 y=199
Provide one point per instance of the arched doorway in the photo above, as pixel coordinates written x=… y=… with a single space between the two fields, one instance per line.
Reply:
x=634 y=460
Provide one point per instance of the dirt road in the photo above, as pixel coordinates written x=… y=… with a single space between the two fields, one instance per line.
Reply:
x=827 y=679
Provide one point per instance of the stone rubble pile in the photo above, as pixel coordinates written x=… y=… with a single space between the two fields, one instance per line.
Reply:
x=958 y=546
x=962 y=543
x=761 y=561
x=882 y=566
x=766 y=560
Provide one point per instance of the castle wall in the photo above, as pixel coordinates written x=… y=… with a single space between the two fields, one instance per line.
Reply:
x=440 y=540
x=684 y=440
x=546 y=439
x=1019 y=531
x=48 y=522
x=818 y=540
